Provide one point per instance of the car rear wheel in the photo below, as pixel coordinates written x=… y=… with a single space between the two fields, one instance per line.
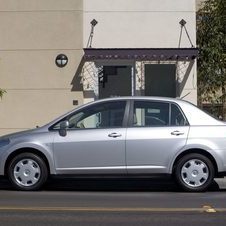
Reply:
x=194 y=172
x=27 y=172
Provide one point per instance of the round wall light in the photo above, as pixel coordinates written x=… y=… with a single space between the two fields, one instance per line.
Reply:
x=61 y=60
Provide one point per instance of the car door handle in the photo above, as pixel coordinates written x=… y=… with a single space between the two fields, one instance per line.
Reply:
x=114 y=135
x=177 y=133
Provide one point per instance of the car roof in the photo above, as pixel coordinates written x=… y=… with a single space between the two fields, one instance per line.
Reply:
x=141 y=98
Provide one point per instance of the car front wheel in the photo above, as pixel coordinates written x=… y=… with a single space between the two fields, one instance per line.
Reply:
x=27 y=172
x=194 y=172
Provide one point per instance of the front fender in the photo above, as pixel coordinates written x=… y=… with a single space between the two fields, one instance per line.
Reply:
x=45 y=149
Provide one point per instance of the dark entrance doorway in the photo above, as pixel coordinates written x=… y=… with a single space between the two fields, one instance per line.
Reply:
x=115 y=81
x=160 y=80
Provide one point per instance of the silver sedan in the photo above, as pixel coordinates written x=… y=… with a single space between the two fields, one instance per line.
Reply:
x=129 y=136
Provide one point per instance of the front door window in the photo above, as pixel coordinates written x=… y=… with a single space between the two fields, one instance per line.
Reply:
x=107 y=115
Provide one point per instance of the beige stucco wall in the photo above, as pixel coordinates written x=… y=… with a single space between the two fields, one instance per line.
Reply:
x=143 y=23
x=33 y=33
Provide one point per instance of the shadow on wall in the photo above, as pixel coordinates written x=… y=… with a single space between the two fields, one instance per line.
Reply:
x=77 y=81
x=181 y=84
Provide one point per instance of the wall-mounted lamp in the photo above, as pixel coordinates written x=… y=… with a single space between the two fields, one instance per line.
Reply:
x=61 y=60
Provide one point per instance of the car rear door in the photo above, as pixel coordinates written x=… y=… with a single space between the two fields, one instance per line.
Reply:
x=158 y=131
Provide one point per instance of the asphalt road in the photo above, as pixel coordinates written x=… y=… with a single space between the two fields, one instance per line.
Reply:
x=111 y=202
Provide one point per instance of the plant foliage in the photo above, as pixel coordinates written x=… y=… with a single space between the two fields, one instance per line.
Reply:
x=211 y=40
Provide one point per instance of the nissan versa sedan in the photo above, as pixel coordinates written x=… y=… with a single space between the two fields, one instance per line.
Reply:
x=120 y=137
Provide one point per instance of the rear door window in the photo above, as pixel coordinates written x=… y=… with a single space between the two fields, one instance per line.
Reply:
x=157 y=113
x=150 y=113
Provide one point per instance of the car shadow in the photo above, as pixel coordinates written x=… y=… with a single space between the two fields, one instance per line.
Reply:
x=110 y=185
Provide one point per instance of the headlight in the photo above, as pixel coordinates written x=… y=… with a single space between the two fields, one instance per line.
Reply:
x=4 y=142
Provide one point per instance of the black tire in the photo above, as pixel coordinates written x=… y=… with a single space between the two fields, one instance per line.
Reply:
x=201 y=172
x=27 y=172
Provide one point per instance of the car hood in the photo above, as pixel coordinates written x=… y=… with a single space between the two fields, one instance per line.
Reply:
x=21 y=133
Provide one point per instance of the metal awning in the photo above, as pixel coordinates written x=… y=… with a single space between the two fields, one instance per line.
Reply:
x=141 y=54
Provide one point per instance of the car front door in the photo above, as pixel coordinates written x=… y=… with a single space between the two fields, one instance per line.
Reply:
x=158 y=131
x=94 y=141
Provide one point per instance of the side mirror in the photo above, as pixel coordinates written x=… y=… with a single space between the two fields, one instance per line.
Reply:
x=63 y=128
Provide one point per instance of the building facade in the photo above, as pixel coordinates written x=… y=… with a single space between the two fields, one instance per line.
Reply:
x=136 y=48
